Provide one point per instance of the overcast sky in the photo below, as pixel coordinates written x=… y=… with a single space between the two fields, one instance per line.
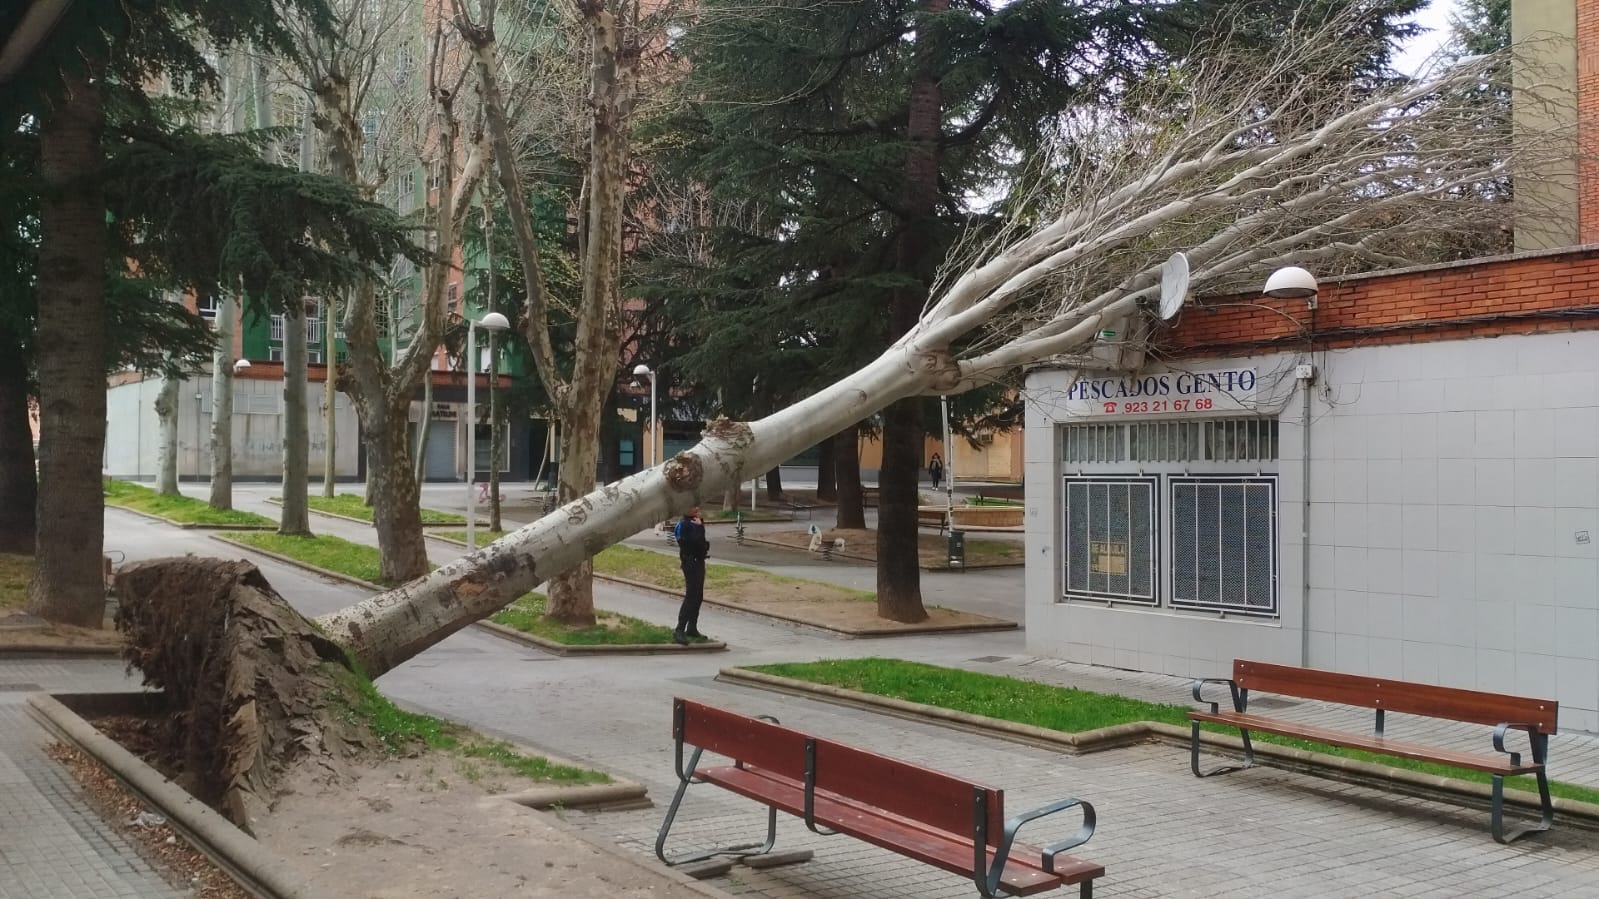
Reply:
x=1435 y=18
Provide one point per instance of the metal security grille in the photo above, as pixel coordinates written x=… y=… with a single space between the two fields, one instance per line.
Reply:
x=1110 y=539
x=1224 y=544
x=1214 y=440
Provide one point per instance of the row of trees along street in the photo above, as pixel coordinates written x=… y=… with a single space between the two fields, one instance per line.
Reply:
x=889 y=202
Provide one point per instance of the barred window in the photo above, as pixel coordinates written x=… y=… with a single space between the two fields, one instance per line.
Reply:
x=1224 y=544
x=1110 y=539
x=1206 y=440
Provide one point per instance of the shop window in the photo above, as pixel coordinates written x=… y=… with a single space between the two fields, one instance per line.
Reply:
x=1212 y=440
x=1110 y=545
x=1224 y=544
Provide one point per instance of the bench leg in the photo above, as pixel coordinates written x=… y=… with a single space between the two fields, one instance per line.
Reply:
x=1086 y=891
x=1193 y=754
x=740 y=849
x=1497 y=823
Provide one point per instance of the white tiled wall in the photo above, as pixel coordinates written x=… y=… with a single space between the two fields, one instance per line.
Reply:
x=1451 y=486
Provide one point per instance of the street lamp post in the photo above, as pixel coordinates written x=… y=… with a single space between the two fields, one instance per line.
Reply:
x=644 y=371
x=493 y=321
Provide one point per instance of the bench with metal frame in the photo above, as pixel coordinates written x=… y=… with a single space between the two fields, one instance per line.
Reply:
x=938 y=518
x=916 y=812
x=1537 y=717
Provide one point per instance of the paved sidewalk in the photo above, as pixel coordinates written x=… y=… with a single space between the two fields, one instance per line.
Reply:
x=53 y=844
x=1162 y=832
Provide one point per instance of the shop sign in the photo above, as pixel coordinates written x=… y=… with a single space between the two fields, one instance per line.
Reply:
x=1165 y=393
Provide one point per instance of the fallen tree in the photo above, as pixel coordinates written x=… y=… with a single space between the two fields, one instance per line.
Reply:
x=1237 y=160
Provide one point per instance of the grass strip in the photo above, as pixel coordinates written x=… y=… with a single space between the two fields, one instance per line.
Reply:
x=15 y=574
x=352 y=506
x=333 y=553
x=400 y=731
x=527 y=615
x=181 y=509
x=1071 y=710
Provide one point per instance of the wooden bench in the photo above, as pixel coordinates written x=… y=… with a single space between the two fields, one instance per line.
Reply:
x=836 y=789
x=1537 y=717
x=938 y=518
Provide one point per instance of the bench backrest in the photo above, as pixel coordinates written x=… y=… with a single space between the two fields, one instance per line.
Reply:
x=939 y=800
x=1397 y=696
x=760 y=744
x=934 y=798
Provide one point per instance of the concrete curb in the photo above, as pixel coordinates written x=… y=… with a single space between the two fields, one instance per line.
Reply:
x=256 y=869
x=794 y=619
x=1430 y=786
x=188 y=526
x=621 y=794
x=563 y=649
x=984 y=567
x=9 y=653
x=350 y=518
x=550 y=646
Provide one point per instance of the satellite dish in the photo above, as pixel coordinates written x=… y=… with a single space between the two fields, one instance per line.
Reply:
x=1173 y=285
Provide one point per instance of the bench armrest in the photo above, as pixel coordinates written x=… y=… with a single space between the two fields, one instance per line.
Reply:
x=1086 y=830
x=1539 y=741
x=1239 y=698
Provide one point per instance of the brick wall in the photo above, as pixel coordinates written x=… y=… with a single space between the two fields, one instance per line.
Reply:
x=1490 y=298
x=1587 y=47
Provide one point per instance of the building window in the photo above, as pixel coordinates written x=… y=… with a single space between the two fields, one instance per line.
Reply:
x=484 y=446
x=1213 y=440
x=1224 y=544
x=1110 y=539
x=208 y=307
x=277 y=328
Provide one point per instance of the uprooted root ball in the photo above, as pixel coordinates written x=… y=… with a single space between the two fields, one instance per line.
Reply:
x=252 y=687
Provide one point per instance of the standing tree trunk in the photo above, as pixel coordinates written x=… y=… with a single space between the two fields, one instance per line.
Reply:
x=422 y=423
x=330 y=431
x=222 y=406
x=295 y=517
x=826 y=466
x=899 y=581
x=847 y=468
x=396 y=499
x=18 y=482
x=496 y=450
x=166 y=412
x=67 y=585
x=774 y=484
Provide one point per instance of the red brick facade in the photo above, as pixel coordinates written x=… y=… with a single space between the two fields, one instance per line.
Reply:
x=1522 y=294
x=1587 y=46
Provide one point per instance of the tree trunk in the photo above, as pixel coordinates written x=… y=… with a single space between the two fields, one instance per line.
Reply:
x=385 y=630
x=67 y=585
x=222 y=406
x=396 y=499
x=423 y=421
x=826 y=466
x=847 y=469
x=295 y=517
x=774 y=484
x=496 y=451
x=899 y=579
x=18 y=481
x=572 y=592
x=330 y=431
x=166 y=412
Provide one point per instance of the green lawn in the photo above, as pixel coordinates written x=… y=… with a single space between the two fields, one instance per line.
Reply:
x=15 y=573
x=401 y=731
x=352 y=506
x=333 y=553
x=484 y=535
x=1066 y=709
x=181 y=509
x=527 y=615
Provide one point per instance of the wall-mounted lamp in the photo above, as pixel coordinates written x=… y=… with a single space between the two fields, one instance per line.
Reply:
x=1292 y=283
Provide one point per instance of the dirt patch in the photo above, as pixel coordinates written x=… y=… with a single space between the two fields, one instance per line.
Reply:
x=853 y=616
x=431 y=827
x=181 y=864
x=25 y=633
x=932 y=549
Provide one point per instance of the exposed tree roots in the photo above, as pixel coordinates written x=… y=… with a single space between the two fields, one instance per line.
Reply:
x=253 y=688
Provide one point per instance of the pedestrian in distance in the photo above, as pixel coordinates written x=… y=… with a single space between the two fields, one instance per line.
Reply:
x=935 y=470
x=692 y=549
